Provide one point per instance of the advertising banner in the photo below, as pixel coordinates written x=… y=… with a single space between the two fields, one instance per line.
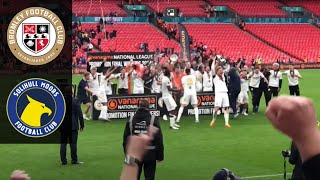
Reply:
x=123 y=106
x=106 y=60
x=205 y=104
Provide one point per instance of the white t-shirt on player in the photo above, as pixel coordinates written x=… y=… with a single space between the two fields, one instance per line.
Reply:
x=292 y=81
x=274 y=78
x=207 y=79
x=123 y=82
x=165 y=91
x=244 y=85
x=155 y=86
x=255 y=79
x=189 y=84
x=220 y=85
x=94 y=82
x=138 y=82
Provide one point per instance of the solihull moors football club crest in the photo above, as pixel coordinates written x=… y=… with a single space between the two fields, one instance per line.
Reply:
x=36 y=36
x=36 y=108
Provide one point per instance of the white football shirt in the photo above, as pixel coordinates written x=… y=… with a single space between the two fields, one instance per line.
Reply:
x=123 y=81
x=274 y=78
x=165 y=91
x=292 y=81
x=255 y=79
x=220 y=85
x=189 y=84
x=244 y=85
x=207 y=79
x=138 y=82
x=94 y=82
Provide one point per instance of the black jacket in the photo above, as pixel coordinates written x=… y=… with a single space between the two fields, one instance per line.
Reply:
x=140 y=123
x=234 y=84
x=295 y=159
x=72 y=119
x=311 y=168
x=148 y=79
x=264 y=85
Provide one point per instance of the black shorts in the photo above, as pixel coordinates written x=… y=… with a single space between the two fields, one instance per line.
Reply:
x=84 y=100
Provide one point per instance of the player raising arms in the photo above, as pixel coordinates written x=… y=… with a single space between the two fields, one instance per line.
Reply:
x=243 y=97
x=168 y=100
x=221 y=97
x=190 y=94
x=104 y=90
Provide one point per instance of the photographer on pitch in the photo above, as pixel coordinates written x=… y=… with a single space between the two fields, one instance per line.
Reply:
x=136 y=126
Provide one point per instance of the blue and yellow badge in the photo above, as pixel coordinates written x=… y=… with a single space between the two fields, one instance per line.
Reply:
x=36 y=107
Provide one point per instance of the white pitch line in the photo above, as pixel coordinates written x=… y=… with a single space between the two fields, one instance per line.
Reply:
x=263 y=176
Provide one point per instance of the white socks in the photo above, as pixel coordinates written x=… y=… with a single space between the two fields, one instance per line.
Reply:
x=103 y=113
x=172 y=121
x=226 y=117
x=180 y=113
x=196 y=113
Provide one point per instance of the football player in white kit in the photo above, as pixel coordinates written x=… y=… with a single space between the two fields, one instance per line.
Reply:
x=93 y=81
x=189 y=95
x=138 y=86
x=243 y=98
x=168 y=100
x=221 y=97
x=207 y=80
x=104 y=90
x=293 y=80
x=199 y=79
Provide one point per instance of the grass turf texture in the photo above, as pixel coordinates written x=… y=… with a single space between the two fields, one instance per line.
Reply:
x=251 y=147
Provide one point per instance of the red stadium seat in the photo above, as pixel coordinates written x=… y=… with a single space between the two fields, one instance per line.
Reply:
x=129 y=36
x=189 y=8
x=232 y=42
x=251 y=8
x=95 y=8
x=301 y=40
x=311 y=5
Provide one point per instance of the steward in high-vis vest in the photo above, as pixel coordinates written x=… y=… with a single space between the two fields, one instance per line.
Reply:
x=139 y=124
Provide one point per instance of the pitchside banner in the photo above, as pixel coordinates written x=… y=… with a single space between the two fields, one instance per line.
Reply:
x=123 y=106
x=205 y=104
x=184 y=43
x=102 y=59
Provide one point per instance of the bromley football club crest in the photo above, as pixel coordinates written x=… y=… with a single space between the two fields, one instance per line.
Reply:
x=36 y=36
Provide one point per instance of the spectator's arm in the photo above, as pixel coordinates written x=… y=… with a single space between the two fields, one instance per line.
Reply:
x=88 y=90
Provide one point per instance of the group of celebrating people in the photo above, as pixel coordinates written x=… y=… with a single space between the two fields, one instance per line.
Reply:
x=180 y=81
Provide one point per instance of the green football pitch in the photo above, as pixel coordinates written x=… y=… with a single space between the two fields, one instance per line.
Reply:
x=250 y=148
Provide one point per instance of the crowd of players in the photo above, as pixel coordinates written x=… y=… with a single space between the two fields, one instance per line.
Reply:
x=180 y=81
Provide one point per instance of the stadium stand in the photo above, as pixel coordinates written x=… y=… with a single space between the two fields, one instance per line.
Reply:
x=301 y=40
x=232 y=42
x=95 y=8
x=129 y=37
x=262 y=8
x=189 y=8
x=311 y=5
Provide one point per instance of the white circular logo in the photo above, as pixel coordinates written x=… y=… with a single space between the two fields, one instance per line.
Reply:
x=36 y=36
